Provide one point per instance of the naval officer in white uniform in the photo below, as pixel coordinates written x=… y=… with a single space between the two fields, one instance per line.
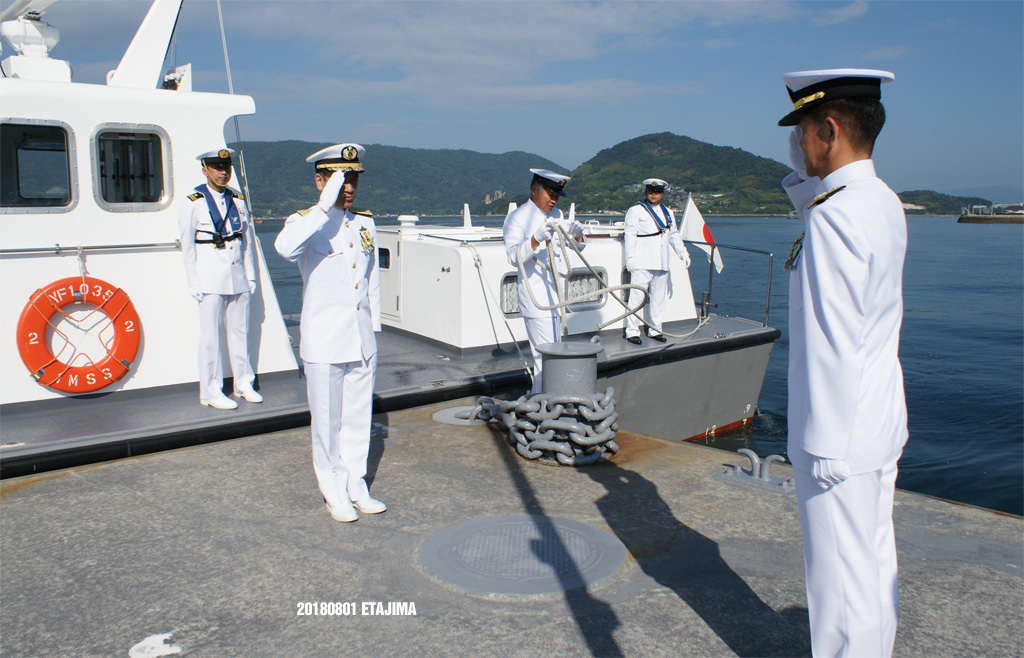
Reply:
x=527 y=230
x=847 y=413
x=335 y=247
x=650 y=231
x=217 y=244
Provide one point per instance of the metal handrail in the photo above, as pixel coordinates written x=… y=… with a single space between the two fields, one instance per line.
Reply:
x=711 y=271
x=57 y=249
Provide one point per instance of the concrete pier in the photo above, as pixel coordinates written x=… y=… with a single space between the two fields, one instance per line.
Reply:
x=216 y=550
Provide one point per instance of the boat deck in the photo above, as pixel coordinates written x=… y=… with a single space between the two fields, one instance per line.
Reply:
x=71 y=431
x=218 y=548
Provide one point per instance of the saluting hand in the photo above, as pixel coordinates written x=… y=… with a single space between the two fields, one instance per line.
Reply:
x=332 y=188
x=796 y=154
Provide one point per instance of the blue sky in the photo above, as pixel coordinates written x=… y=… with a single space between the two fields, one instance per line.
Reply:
x=567 y=79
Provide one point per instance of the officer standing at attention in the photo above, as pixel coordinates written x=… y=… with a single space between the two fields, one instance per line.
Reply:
x=335 y=247
x=847 y=412
x=217 y=243
x=526 y=232
x=650 y=229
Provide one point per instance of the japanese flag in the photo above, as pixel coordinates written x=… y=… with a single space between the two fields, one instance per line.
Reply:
x=695 y=229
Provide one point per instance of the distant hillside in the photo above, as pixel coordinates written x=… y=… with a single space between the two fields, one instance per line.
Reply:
x=721 y=178
x=935 y=203
x=397 y=181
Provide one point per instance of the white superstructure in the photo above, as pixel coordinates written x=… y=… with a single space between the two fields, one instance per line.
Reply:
x=90 y=181
x=465 y=292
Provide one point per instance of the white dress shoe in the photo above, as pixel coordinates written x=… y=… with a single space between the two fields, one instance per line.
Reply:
x=248 y=395
x=223 y=402
x=369 y=506
x=343 y=513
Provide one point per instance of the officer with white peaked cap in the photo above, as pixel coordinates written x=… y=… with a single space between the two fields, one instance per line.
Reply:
x=335 y=246
x=217 y=244
x=527 y=231
x=650 y=231
x=847 y=413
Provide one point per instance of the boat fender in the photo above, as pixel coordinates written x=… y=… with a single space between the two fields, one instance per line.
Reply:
x=41 y=313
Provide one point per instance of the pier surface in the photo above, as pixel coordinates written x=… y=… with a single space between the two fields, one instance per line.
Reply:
x=215 y=550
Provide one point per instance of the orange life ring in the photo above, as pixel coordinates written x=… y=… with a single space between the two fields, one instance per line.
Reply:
x=39 y=314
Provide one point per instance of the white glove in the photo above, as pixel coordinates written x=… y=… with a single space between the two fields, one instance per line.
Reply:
x=252 y=287
x=796 y=154
x=629 y=264
x=543 y=234
x=574 y=229
x=196 y=295
x=329 y=195
x=829 y=472
x=686 y=258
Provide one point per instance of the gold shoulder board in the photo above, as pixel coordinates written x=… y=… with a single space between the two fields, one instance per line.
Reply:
x=195 y=196
x=821 y=198
x=303 y=213
x=361 y=211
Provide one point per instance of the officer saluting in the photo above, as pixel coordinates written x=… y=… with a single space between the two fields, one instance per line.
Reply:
x=526 y=232
x=335 y=247
x=847 y=413
x=650 y=230
x=217 y=244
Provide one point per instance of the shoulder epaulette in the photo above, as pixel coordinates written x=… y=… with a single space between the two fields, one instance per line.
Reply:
x=303 y=213
x=235 y=193
x=195 y=196
x=361 y=211
x=821 y=198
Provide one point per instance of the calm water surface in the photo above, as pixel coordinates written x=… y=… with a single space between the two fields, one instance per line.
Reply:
x=962 y=345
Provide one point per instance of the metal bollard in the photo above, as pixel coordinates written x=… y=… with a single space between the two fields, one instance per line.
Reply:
x=569 y=368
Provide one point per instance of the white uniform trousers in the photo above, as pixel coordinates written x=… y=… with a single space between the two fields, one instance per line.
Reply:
x=850 y=563
x=547 y=329
x=213 y=310
x=341 y=407
x=656 y=283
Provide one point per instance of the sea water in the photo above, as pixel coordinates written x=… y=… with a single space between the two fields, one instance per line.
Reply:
x=961 y=347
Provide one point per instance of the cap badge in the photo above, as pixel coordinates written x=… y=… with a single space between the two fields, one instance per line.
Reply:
x=223 y=154
x=808 y=99
x=349 y=153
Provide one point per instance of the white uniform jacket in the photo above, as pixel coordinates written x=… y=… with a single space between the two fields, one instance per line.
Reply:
x=209 y=270
x=651 y=252
x=520 y=225
x=337 y=255
x=846 y=396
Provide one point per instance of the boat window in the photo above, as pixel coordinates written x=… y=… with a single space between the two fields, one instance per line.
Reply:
x=131 y=167
x=383 y=258
x=510 y=295
x=582 y=282
x=34 y=166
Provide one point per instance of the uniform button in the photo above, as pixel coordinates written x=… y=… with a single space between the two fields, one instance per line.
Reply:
x=357 y=286
x=357 y=307
x=351 y=244
x=353 y=266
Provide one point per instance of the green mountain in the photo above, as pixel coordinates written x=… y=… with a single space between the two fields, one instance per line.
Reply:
x=722 y=179
x=935 y=203
x=397 y=180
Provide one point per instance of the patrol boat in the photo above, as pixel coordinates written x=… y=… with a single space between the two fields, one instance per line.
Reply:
x=98 y=333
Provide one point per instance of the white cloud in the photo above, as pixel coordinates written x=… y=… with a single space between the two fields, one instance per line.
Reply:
x=843 y=14
x=884 y=54
x=717 y=44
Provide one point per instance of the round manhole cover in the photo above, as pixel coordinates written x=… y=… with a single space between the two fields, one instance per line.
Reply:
x=523 y=554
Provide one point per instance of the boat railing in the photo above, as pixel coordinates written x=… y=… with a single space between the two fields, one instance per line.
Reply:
x=706 y=304
x=58 y=250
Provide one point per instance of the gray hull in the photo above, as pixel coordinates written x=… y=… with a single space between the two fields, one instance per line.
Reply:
x=677 y=390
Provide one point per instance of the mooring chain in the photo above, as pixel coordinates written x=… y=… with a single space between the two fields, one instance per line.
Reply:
x=572 y=430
